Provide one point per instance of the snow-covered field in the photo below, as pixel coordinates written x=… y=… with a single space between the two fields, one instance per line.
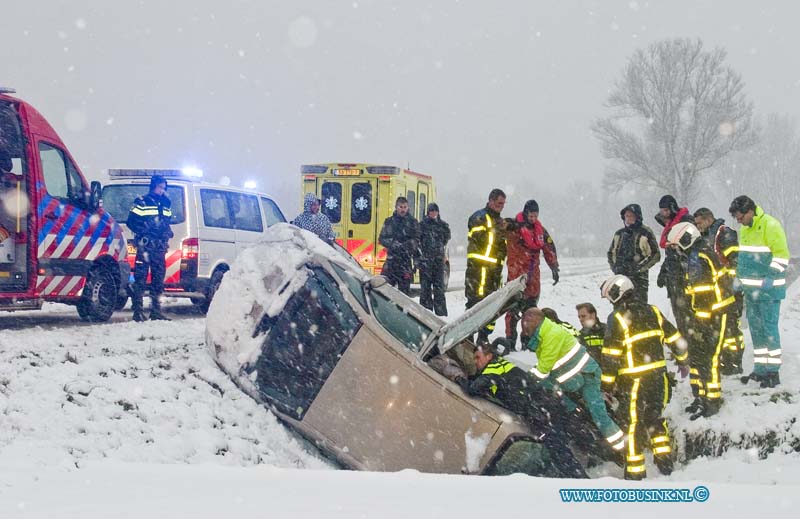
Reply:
x=135 y=420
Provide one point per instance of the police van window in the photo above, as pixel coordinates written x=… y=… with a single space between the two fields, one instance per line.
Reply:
x=271 y=212
x=332 y=201
x=118 y=199
x=54 y=171
x=215 y=209
x=423 y=206
x=305 y=343
x=246 y=212
x=361 y=203
x=412 y=203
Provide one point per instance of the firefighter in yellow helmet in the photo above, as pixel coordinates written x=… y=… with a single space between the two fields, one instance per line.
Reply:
x=635 y=371
x=710 y=292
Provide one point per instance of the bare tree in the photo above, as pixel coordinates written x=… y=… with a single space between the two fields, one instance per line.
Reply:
x=768 y=171
x=677 y=110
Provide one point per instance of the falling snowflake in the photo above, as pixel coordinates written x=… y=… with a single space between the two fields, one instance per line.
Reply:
x=361 y=203
x=331 y=203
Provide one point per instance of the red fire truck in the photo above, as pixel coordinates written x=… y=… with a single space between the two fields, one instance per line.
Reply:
x=56 y=241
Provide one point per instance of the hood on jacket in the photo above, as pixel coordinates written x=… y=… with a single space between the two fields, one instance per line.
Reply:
x=308 y=200
x=531 y=206
x=635 y=209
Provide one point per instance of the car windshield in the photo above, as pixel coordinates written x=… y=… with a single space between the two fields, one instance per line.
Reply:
x=395 y=319
x=524 y=456
x=118 y=199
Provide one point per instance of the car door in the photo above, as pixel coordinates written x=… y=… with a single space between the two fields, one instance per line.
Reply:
x=68 y=235
x=332 y=194
x=217 y=227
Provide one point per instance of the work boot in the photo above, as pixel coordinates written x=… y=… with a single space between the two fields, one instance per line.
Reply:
x=695 y=406
x=156 y=315
x=664 y=464
x=755 y=377
x=637 y=476
x=138 y=315
x=770 y=380
x=707 y=409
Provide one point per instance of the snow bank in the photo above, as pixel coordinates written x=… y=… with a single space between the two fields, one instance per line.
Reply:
x=261 y=281
x=129 y=392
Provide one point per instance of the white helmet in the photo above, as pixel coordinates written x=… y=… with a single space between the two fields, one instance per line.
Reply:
x=615 y=287
x=684 y=234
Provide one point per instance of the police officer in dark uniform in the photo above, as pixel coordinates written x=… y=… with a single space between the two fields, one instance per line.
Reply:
x=400 y=237
x=149 y=220
x=434 y=235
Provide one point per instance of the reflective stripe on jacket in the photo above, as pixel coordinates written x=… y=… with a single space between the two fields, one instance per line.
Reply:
x=763 y=254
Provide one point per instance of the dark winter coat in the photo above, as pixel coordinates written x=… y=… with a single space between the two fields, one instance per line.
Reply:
x=672 y=272
x=642 y=356
x=634 y=249
x=400 y=235
x=724 y=241
x=434 y=235
x=513 y=388
x=149 y=220
x=318 y=223
x=592 y=338
x=486 y=241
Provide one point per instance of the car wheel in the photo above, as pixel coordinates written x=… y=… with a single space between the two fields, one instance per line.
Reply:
x=99 y=296
x=213 y=286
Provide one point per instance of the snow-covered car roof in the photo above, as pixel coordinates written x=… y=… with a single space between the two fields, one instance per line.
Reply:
x=276 y=261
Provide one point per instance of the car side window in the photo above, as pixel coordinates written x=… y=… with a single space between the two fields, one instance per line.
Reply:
x=216 y=212
x=61 y=177
x=246 y=212
x=305 y=343
x=272 y=213
x=397 y=321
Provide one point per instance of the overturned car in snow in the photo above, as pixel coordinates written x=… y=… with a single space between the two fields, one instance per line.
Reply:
x=358 y=368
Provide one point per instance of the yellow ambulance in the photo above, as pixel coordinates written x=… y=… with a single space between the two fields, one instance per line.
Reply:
x=357 y=198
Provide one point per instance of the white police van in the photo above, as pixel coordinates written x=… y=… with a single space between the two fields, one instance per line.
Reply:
x=212 y=223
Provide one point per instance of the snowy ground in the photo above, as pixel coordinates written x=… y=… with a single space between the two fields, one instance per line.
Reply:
x=135 y=420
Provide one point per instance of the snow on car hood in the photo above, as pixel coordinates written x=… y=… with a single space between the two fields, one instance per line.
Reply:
x=261 y=281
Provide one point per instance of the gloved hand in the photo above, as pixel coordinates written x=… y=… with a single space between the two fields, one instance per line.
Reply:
x=662 y=279
x=736 y=285
x=683 y=369
x=555 y=276
x=463 y=382
x=767 y=284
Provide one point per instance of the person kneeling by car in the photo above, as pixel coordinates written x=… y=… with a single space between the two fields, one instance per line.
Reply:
x=500 y=380
x=563 y=360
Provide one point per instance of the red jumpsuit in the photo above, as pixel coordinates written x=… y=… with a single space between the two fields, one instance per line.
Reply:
x=524 y=246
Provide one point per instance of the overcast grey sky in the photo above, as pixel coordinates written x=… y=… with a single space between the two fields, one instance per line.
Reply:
x=477 y=93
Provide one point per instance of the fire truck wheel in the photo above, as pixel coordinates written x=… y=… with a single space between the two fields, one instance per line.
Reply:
x=121 y=302
x=213 y=286
x=99 y=296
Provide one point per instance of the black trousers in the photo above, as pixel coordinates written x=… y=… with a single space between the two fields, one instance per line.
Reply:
x=480 y=280
x=154 y=262
x=642 y=403
x=706 y=342
x=641 y=286
x=431 y=279
x=399 y=273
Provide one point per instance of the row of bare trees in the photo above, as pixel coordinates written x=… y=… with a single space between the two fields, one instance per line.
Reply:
x=680 y=122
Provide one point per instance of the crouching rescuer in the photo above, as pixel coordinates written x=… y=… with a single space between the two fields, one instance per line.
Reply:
x=149 y=220
x=634 y=370
x=564 y=361
x=506 y=384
